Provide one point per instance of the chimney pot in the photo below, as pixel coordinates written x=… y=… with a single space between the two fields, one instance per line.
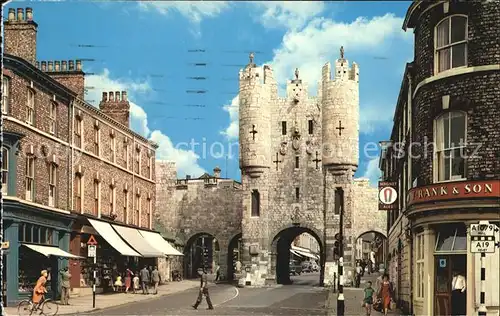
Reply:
x=71 y=65
x=50 y=66
x=217 y=172
x=29 y=14
x=117 y=96
x=104 y=96
x=124 y=95
x=38 y=64
x=20 y=14
x=79 y=65
x=188 y=177
x=111 y=96
x=64 y=65
x=57 y=66
x=12 y=14
x=44 y=66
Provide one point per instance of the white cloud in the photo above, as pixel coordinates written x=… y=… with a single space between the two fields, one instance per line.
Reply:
x=232 y=131
x=289 y=14
x=372 y=171
x=375 y=118
x=186 y=160
x=319 y=41
x=195 y=11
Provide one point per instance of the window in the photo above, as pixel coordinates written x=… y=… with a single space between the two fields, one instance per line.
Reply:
x=150 y=213
x=5 y=170
x=96 y=198
x=30 y=178
x=112 y=145
x=138 y=162
x=97 y=137
x=311 y=127
x=125 y=206
x=30 y=107
x=5 y=94
x=35 y=234
x=451 y=43
x=339 y=200
x=52 y=184
x=420 y=255
x=126 y=150
x=78 y=132
x=255 y=203
x=452 y=238
x=297 y=194
x=78 y=188
x=150 y=167
x=53 y=117
x=137 y=217
x=450 y=146
x=111 y=200
x=297 y=159
x=283 y=128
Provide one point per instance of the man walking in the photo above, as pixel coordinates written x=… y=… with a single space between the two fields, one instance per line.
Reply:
x=203 y=290
x=65 y=277
x=155 y=279
x=144 y=280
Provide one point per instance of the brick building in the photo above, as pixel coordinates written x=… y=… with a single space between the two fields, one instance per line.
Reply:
x=70 y=170
x=444 y=157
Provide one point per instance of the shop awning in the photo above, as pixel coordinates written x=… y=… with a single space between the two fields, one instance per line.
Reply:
x=157 y=241
x=135 y=239
x=307 y=254
x=108 y=233
x=296 y=253
x=51 y=251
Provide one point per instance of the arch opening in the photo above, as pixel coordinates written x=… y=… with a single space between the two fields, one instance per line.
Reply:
x=293 y=260
x=234 y=252
x=201 y=251
x=370 y=251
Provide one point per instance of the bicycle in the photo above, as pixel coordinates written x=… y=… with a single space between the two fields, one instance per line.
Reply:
x=46 y=307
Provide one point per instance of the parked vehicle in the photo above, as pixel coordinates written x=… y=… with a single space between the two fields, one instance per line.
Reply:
x=295 y=267
x=315 y=267
x=306 y=267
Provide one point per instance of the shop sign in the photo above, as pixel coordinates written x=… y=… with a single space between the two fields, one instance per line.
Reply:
x=454 y=190
x=387 y=196
x=482 y=244
x=92 y=251
x=5 y=244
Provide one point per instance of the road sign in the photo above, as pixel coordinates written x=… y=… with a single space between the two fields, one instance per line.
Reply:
x=483 y=229
x=481 y=244
x=92 y=251
x=92 y=240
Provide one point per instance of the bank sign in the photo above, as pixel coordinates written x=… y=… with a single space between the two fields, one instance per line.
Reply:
x=455 y=190
x=387 y=196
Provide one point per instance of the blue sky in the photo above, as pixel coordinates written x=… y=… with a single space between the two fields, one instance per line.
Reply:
x=142 y=47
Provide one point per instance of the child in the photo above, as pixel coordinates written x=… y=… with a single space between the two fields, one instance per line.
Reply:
x=136 y=281
x=368 y=300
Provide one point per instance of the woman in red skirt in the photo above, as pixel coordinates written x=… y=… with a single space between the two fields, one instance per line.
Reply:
x=385 y=293
x=128 y=279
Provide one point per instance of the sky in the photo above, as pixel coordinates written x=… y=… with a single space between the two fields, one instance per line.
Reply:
x=152 y=49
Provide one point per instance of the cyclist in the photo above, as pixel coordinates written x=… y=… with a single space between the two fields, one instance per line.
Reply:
x=40 y=290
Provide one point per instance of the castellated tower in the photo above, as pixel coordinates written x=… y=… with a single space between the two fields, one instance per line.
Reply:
x=340 y=105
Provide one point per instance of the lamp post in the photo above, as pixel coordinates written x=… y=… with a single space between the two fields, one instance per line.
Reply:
x=340 y=297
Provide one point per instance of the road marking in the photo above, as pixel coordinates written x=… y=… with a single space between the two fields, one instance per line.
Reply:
x=237 y=292
x=302 y=309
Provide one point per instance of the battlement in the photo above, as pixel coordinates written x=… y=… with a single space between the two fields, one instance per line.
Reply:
x=60 y=66
x=21 y=18
x=342 y=71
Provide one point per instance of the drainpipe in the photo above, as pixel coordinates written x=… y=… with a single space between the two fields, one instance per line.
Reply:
x=71 y=153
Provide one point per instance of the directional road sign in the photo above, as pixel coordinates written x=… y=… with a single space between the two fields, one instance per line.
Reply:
x=481 y=244
x=483 y=229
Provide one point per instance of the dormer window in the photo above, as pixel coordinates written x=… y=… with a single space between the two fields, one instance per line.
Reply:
x=451 y=43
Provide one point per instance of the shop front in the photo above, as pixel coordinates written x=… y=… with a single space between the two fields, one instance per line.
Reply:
x=35 y=239
x=446 y=273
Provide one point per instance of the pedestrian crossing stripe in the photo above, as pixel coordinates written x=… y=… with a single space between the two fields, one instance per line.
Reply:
x=483 y=238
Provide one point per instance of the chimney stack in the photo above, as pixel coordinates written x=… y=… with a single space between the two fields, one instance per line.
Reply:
x=20 y=34
x=217 y=172
x=116 y=106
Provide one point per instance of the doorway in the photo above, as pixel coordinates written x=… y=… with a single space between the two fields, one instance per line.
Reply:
x=445 y=266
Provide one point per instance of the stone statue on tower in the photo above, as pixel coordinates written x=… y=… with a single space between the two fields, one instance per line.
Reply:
x=342 y=52
x=296 y=73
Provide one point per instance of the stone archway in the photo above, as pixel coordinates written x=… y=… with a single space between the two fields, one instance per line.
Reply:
x=200 y=251
x=371 y=246
x=280 y=252
x=233 y=256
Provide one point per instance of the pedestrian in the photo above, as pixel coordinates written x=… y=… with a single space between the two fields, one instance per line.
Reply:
x=217 y=273
x=155 y=279
x=368 y=300
x=370 y=266
x=358 y=275
x=458 y=294
x=145 y=278
x=136 y=282
x=40 y=290
x=128 y=279
x=203 y=290
x=65 y=287
x=385 y=293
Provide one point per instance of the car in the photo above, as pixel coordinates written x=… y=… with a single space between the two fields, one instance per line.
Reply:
x=314 y=267
x=295 y=268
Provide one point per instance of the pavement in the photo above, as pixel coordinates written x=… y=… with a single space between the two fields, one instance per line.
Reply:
x=303 y=297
